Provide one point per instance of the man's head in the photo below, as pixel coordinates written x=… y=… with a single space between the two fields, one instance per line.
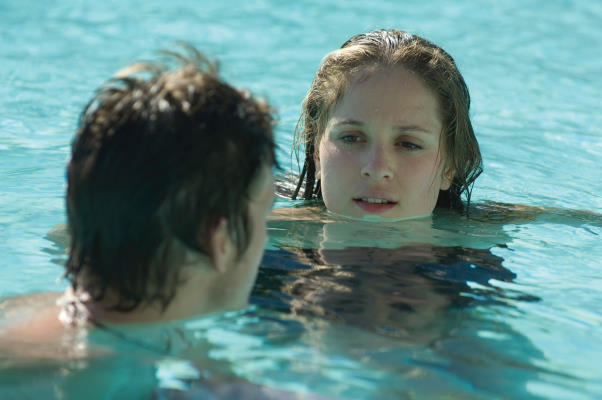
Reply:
x=159 y=163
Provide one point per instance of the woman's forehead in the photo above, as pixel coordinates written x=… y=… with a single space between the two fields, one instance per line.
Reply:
x=396 y=96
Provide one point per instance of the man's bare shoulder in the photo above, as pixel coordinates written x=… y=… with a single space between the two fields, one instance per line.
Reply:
x=25 y=306
x=29 y=324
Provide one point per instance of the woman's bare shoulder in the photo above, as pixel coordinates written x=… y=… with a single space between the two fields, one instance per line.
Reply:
x=307 y=213
x=508 y=213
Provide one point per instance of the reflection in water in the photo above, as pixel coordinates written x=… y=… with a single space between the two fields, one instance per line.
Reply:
x=422 y=301
x=396 y=292
x=419 y=309
x=407 y=306
x=387 y=277
x=180 y=360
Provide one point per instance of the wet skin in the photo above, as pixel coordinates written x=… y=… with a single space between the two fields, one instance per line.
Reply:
x=381 y=153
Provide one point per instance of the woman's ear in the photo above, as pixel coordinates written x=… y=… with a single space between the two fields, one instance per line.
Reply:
x=222 y=248
x=447 y=177
x=317 y=165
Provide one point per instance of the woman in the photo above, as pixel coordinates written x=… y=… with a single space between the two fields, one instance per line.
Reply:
x=386 y=130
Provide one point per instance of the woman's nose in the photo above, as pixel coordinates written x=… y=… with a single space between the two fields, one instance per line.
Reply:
x=377 y=164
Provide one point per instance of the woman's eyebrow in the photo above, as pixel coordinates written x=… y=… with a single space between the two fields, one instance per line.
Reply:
x=348 y=121
x=398 y=128
x=412 y=128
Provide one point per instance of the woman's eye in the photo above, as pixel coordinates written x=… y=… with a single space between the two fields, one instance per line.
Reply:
x=410 y=146
x=350 y=138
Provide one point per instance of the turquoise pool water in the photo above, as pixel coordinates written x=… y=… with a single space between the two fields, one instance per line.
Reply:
x=487 y=308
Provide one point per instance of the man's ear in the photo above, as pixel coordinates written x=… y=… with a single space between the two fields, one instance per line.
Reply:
x=447 y=177
x=222 y=248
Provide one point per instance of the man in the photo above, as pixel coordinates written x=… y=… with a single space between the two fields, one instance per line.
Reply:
x=169 y=185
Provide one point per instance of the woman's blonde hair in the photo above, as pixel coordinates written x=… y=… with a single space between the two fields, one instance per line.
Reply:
x=385 y=49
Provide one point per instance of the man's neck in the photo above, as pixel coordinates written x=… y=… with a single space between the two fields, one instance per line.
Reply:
x=199 y=293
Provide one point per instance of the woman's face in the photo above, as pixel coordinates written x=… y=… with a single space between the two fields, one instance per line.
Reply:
x=380 y=153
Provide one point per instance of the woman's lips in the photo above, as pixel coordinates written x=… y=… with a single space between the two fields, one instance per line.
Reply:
x=375 y=206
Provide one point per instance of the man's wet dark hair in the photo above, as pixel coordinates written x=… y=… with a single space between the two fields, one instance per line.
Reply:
x=159 y=159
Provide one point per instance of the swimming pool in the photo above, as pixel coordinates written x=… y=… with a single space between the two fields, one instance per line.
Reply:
x=485 y=308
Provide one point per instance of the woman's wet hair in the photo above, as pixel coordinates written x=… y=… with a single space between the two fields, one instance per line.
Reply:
x=161 y=156
x=383 y=49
